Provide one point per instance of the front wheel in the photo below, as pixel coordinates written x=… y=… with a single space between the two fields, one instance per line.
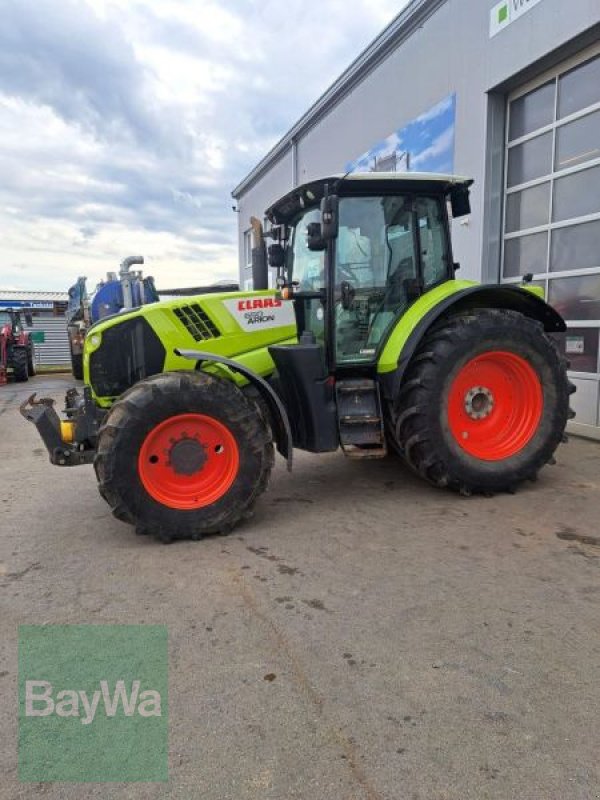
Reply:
x=484 y=403
x=183 y=454
x=31 y=362
x=19 y=364
x=77 y=365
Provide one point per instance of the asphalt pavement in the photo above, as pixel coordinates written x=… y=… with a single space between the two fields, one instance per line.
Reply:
x=363 y=637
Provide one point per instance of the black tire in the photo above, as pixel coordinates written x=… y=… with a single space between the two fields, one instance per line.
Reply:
x=77 y=365
x=19 y=364
x=31 y=362
x=423 y=430
x=145 y=406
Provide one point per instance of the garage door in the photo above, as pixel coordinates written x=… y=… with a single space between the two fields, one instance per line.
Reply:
x=552 y=210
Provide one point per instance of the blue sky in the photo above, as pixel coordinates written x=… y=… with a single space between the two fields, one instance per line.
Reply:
x=124 y=124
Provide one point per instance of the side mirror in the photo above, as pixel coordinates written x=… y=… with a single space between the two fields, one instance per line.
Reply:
x=314 y=239
x=329 y=216
x=459 y=201
x=276 y=256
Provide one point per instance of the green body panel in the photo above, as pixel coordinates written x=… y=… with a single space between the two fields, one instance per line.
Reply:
x=388 y=358
x=247 y=345
x=538 y=291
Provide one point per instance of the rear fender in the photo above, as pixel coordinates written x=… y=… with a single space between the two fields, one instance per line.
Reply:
x=279 y=418
x=464 y=299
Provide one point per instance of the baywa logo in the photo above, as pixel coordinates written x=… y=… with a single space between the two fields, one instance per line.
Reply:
x=93 y=703
x=507 y=11
x=39 y=701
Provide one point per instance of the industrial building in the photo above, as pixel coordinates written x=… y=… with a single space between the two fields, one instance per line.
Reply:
x=505 y=92
x=49 y=323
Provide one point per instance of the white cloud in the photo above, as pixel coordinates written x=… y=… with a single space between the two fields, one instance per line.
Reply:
x=438 y=147
x=437 y=110
x=124 y=124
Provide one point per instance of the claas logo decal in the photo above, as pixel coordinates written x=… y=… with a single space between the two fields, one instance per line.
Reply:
x=258 y=302
x=261 y=312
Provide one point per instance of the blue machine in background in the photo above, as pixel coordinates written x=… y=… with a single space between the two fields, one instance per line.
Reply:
x=108 y=298
x=128 y=289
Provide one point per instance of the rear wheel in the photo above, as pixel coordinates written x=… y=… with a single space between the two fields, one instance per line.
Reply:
x=183 y=454
x=19 y=364
x=484 y=403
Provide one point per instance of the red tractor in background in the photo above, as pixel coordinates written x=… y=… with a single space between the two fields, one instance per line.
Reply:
x=16 y=345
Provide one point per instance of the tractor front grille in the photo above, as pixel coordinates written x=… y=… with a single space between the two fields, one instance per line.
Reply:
x=130 y=351
x=197 y=322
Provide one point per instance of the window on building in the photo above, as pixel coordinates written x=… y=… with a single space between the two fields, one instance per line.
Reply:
x=248 y=248
x=552 y=199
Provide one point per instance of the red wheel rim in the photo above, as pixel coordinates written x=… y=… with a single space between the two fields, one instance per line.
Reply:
x=188 y=461
x=495 y=405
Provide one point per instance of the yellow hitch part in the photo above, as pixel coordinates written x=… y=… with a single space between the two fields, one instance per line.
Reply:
x=67 y=431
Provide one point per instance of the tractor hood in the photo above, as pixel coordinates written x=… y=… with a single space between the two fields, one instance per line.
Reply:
x=125 y=348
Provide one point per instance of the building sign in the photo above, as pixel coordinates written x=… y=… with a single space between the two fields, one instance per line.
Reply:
x=37 y=304
x=425 y=144
x=507 y=11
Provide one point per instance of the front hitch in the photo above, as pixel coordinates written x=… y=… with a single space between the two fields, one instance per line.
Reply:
x=59 y=436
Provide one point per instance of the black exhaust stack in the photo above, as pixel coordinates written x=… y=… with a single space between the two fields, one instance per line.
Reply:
x=260 y=268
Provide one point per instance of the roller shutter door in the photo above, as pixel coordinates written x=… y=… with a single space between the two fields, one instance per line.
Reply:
x=54 y=350
x=552 y=211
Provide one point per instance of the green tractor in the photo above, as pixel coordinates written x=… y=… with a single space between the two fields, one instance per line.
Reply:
x=368 y=344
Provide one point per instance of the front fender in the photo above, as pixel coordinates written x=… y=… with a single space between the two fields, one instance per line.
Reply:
x=281 y=424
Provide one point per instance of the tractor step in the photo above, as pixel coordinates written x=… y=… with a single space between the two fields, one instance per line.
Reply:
x=360 y=421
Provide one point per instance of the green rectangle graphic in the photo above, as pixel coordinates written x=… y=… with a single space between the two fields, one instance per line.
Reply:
x=502 y=13
x=93 y=703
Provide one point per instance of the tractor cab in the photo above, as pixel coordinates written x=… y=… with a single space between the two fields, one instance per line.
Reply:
x=355 y=252
x=12 y=316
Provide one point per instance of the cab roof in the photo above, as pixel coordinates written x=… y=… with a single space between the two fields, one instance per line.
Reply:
x=308 y=194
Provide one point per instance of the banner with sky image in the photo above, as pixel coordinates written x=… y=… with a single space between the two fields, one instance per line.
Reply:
x=425 y=144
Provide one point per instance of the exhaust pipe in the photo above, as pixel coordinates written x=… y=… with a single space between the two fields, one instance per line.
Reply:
x=126 y=279
x=260 y=269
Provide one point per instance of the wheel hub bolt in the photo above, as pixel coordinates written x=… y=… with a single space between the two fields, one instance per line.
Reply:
x=479 y=402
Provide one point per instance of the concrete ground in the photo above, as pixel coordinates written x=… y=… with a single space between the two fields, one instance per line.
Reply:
x=364 y=636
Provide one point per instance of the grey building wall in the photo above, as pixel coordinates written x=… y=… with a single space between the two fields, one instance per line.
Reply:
x=450 y=51
x=259 y=199
x=433 y=49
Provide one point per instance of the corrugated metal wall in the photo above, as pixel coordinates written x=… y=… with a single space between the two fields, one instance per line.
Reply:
x=55 y=349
